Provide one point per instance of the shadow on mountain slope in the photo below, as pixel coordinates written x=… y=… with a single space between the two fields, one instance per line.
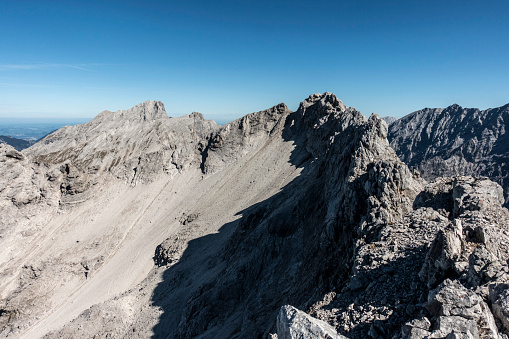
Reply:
x=231 y=284
x=385 y=287
x=296 y=245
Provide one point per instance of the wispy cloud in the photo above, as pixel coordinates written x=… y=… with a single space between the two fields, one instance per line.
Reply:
x=80 y=68
x=24 y=67
x=25 y=85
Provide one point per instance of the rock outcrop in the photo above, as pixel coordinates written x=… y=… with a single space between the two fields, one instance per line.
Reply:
x=295 y=324
x=236 y=139
x=455 y=141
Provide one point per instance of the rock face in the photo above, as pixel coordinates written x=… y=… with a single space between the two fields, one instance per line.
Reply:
x=460 y=311
x=455 y=141
x=295 y=324
x=499 y=297
x=133 y=145
x=176 y=227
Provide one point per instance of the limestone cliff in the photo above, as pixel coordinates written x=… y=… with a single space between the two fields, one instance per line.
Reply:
x=455 y=141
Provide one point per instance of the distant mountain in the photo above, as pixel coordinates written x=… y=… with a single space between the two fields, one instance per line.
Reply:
x=389 y=120
x=18 y=144
x=455 y=140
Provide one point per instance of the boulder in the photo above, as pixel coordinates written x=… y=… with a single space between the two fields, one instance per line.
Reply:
x=295 y=324
x=499 y=297
x=460 y=310
x=442 y=255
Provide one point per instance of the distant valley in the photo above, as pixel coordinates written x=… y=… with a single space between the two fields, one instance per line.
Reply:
x=35 y=129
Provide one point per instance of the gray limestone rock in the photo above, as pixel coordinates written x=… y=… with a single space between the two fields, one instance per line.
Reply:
x=168 y=252
x=237 y=138
x=14 y=154
x=442 y=255
x=499 y=297
x=455 y=327
x=461 y=310
x=455 y=141
x=478 y=261
x=295 y=324
x=416 y=329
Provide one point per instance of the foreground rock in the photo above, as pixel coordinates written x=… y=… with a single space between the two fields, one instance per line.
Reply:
x=295 y=324
x=458 y=310
x=499 y=297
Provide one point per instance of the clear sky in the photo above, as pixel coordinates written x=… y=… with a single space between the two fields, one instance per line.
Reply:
x=73 y=59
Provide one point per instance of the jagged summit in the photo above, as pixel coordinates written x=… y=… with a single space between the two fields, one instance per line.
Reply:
x=197 y=115
x=455 y=140
x=146 y=111
x=135 y=144
x=454 y=107
x=318 y=108
x=326 y=99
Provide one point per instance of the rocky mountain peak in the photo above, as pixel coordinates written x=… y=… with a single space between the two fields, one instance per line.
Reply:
x=327 y=99
x=318 y=109
x=454 y=107
x=196 y=115
x=319 y=118
x=146 y=111
x=135 y=145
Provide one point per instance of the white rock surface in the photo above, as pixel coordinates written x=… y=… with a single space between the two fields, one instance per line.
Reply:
x=295 y=324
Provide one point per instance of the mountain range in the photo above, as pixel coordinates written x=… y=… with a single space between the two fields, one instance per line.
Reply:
x=317 y=222
x=455 y=141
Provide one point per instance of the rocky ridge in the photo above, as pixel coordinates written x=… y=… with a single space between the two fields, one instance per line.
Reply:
x=133 y=145
x=455 y=141
x=327 y=219
x=49 y=182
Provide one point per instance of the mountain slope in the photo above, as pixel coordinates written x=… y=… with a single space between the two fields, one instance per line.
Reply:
x=149 y=226
x=455 y=140
x=66 y=204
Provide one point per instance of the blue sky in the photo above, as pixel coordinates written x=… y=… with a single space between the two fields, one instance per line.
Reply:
x=73 y=59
